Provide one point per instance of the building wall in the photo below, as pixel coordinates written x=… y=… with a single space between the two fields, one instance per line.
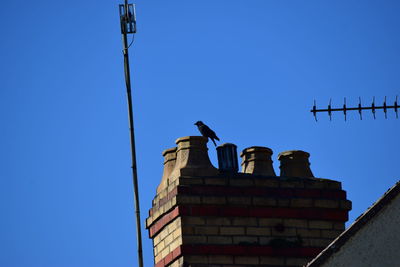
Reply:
x=376 y=244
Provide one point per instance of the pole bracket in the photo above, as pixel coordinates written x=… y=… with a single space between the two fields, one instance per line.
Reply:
x=127 y=14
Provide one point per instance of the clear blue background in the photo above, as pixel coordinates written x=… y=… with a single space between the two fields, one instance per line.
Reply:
x=248 y=69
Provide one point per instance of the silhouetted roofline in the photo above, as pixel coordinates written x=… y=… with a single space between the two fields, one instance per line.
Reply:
x=359 y=223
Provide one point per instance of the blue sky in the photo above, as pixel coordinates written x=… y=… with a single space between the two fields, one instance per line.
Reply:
x=248 y=69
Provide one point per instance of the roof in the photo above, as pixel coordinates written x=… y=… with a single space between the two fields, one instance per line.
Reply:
x=358 y=224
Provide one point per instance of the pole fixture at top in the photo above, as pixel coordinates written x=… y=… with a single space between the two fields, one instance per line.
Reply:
x=127 y=16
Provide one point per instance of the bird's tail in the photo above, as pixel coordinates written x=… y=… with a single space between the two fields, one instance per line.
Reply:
x=215 y=144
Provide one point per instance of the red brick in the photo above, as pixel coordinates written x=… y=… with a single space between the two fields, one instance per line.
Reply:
x=235 y=212
x=336 y=215
x=260 y=212
x=204 y=210
x=168 y=258
x=183 y=210
x=333 y=194
x=183 y=189
x=256 y=191
x=172 y=256
x=283 y=192
x=270 y=212
x=238 y=250
x=160 y=264
x=161 y=223
x=177 y=252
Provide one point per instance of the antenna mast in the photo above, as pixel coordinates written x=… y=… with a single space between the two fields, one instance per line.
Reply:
x=128 y=26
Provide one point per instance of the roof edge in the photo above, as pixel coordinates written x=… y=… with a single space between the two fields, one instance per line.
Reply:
x=362 y=220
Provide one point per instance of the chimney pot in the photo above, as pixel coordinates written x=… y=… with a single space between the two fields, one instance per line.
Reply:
x=192 y=158
x=227 y=158
x=257 y=160
x=294 y=163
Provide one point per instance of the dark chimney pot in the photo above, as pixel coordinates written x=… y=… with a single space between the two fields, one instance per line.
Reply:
x=227 y=158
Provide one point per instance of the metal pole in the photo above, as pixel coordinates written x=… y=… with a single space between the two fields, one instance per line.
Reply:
x=132 y=137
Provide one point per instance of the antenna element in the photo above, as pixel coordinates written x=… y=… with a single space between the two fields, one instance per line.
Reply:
x=359 y=108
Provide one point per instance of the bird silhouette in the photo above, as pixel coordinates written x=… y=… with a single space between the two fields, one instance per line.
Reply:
x=206 y=131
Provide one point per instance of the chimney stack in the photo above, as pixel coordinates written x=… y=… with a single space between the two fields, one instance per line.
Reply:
x=203 y=217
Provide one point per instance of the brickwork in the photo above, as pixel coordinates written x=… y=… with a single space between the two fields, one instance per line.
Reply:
x=203 y=217
x=245 y=220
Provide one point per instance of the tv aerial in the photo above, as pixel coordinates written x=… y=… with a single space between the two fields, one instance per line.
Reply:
x=359 y=108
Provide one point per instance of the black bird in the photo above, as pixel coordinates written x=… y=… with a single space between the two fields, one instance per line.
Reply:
x=206 y=131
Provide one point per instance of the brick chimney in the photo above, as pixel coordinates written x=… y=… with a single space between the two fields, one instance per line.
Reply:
x=205 y=217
